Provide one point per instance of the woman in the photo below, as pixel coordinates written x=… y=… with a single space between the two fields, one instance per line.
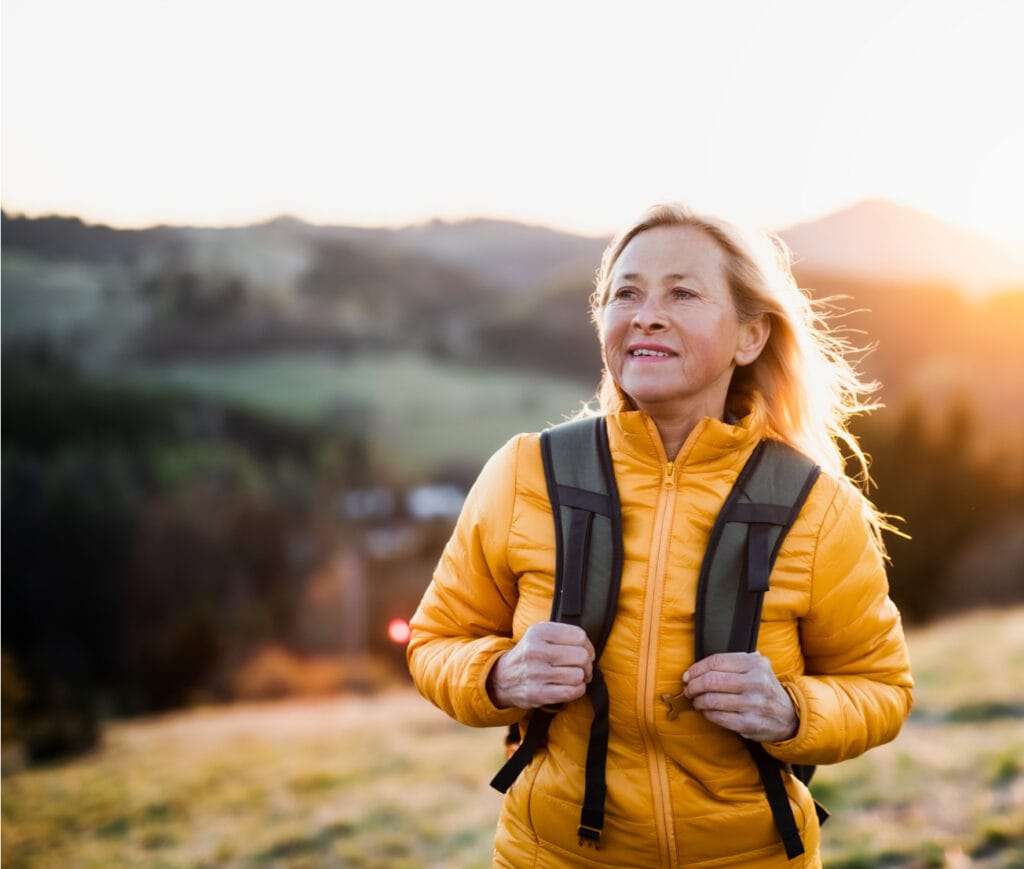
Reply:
x=708 y=348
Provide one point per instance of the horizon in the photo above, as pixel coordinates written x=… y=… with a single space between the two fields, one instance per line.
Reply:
x=485 y=218
x=231 y=114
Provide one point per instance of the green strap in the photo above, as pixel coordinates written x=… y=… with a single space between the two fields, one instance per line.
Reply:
x=744 y=543
x=588 y=525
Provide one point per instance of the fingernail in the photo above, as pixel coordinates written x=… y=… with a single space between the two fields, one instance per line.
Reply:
x=686 y=676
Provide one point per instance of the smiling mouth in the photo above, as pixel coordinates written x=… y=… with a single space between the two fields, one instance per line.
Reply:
x=655 y=353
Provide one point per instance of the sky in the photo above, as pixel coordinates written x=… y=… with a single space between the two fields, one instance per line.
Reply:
x=570 y=114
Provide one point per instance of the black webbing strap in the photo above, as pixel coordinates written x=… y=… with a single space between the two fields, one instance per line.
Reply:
x=778 y=799
x=540 y=721
x=592 y=814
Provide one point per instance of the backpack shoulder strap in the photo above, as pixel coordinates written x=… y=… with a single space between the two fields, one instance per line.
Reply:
x=588 y=571
x=744 y=543
x=588 y=525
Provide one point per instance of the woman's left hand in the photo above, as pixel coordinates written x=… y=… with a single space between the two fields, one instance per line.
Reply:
x=740 y=691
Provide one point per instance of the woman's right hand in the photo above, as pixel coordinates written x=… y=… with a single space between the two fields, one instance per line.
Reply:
x=552 y=663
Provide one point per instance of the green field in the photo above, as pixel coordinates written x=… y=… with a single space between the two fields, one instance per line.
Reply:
x=387 y=781
x=420 y=415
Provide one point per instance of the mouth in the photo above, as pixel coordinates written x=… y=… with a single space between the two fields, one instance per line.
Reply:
x=650 y=352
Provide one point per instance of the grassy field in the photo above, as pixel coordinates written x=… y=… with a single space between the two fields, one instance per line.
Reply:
x=460 y=415
x=387 y=781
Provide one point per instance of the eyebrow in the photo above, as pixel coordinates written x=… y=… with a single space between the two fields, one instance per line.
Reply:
x=675 y=276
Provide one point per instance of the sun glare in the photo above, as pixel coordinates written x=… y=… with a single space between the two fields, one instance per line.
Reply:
x=390 y=128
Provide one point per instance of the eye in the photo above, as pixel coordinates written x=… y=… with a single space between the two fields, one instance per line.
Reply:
x=682 y=293
x=626 y=293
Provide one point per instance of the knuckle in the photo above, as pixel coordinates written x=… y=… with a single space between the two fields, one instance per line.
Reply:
x=532 y=654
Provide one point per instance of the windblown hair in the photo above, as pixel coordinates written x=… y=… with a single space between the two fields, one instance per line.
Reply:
x=804 y=380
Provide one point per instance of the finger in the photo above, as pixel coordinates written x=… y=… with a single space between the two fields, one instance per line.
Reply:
x=718 y=682
x=725 y=703
x=551 y=694
x=559 y=634
x=569 y=656
x=732 y=662
x=567 y=676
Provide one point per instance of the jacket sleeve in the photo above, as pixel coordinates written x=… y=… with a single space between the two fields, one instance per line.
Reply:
x=464 y=621
x=855 y=691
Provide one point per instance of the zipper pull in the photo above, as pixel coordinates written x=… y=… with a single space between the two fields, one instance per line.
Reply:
x=670 y=475
x=676 y=703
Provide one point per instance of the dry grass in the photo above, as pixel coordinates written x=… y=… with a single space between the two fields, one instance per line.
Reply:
x=387 y=781
x=950 y=790
x=360 y=781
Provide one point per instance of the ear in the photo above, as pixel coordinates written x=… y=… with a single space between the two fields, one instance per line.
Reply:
x=752 y=338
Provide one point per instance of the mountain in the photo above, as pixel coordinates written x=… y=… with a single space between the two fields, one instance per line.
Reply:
x=894 y=244
x=874 y=240
x=512 y=255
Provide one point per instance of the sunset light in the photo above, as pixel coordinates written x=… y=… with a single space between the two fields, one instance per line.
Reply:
x=577 y=117
x=295 y=303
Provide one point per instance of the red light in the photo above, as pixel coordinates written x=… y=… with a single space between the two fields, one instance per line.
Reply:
x=399 y=631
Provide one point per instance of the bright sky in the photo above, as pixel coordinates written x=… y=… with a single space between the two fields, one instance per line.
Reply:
x=570 y=113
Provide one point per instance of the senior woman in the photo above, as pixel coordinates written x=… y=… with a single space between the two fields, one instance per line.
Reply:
x=709 y=347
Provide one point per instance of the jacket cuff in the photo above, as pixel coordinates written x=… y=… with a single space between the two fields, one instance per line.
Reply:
x=779 y=750
x=487 y=712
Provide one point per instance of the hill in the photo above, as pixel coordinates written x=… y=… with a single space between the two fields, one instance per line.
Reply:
x=388 y=780
x=490 y=295
x=889 y=243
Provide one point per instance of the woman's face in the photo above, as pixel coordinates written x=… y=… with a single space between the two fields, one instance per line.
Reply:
x=669 y=329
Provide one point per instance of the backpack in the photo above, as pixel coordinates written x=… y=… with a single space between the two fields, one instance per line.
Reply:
x=744 y=543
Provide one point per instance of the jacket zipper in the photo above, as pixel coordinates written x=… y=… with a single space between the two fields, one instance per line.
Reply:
x=648 y=657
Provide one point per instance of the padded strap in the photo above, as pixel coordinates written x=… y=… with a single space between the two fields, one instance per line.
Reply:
x=745 y=541
x=581 y=479
x=569 y=605
x=588 y=543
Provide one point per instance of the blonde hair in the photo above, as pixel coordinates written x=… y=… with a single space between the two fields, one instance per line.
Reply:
x=803 y=382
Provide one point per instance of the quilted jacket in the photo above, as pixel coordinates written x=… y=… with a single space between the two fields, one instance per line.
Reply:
x=681 y=792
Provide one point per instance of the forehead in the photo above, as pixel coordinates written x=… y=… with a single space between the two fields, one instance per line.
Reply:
x=672 y=250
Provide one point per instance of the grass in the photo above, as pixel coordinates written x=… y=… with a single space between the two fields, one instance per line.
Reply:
x=461 y=415
x=387 y=781
x=950 y=790
x=360 y=781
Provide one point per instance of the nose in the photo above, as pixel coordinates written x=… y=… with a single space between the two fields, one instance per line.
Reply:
x=650 y=316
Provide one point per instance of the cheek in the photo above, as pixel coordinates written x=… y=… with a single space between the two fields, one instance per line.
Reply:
x=609 y=333
x=611 y=326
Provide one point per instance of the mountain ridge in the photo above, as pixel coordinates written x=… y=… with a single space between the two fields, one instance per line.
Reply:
x=874 y=239
x=883 y=240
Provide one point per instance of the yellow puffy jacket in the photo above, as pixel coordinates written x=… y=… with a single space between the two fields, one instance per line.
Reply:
x=682 y=792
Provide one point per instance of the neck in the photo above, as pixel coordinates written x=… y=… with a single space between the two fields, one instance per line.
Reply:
x=675 y=424
x=673 y=435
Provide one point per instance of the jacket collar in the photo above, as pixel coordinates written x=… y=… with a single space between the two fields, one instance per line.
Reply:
x=712 y=444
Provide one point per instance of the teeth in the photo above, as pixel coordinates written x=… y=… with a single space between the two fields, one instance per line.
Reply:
x=643 y=352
